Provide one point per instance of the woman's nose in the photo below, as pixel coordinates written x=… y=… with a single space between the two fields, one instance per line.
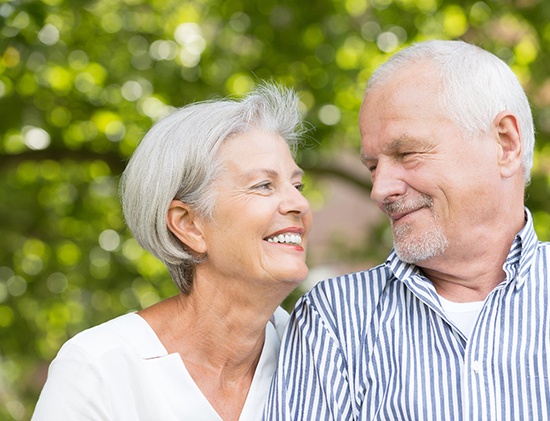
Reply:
x=294 y=201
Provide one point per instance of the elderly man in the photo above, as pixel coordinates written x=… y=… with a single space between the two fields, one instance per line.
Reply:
x=454 y=325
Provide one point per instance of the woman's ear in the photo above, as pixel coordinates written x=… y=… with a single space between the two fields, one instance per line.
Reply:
x=184 y=223
x=510 y=143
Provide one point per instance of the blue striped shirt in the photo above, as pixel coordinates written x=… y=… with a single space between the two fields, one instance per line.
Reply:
x=377 y=345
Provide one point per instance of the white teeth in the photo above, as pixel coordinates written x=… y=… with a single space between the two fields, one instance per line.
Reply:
x=286 y=238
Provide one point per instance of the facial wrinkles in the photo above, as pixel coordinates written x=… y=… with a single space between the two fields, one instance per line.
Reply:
x=404 y=205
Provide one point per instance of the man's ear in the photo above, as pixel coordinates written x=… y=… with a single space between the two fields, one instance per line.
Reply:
x=510 y=143
x=183 y=222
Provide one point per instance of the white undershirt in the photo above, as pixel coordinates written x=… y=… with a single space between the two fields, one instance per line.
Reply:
x=463 y=315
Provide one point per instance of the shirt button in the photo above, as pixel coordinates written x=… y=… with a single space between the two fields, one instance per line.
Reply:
x=476 y=366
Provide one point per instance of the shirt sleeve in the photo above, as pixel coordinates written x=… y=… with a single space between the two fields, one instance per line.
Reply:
x=311 y=381
x=74 y=389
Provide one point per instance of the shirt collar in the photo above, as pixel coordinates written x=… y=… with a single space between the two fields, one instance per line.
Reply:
x=399 y=268
x=521 y=255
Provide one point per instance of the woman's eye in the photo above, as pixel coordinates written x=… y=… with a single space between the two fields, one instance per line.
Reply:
x=264 y=186
x=299 y=186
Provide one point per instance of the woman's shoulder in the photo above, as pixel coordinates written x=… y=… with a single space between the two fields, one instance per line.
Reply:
x=128 y=332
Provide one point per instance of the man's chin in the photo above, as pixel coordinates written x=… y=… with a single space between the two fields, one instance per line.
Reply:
x=430 y=245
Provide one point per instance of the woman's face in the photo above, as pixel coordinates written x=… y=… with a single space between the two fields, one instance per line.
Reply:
x=261 y=220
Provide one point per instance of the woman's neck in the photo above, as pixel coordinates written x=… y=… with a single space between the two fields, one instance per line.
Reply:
x=219 y=335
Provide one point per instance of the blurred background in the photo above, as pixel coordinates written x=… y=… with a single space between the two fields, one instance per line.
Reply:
x=81 y=81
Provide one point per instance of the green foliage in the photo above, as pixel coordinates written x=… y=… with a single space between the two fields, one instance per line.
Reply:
x=81 y=81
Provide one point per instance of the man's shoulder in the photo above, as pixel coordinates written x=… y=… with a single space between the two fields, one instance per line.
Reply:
x=344 y=306
x=541 y=250
x=371 y=281
x=356 y=292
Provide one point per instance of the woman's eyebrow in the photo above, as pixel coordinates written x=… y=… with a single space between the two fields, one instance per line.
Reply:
x=271 y=172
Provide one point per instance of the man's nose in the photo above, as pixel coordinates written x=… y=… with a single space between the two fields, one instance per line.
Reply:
x=387 y=181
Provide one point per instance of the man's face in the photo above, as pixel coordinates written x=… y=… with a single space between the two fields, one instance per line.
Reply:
x=434 y=183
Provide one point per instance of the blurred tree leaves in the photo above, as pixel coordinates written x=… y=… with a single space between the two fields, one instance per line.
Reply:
x=81 y=81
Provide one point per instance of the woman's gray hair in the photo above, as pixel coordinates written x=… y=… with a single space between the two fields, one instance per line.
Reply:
x=476 y=86
x=177 y=160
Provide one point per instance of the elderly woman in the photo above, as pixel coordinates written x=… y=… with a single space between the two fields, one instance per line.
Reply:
x=213 y=191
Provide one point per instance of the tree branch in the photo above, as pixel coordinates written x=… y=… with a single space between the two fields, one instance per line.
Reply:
x=117 y=164
x=328 y=170
x=112 y=159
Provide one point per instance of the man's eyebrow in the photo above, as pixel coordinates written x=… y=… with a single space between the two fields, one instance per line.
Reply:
x=366 y=158
x=393 y=146
x=403 y=140
x=389 y=148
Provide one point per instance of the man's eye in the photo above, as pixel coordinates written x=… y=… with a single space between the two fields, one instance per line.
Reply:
x=299 y=187
x=406 y=155
x=370 y=164
x=410 y=158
